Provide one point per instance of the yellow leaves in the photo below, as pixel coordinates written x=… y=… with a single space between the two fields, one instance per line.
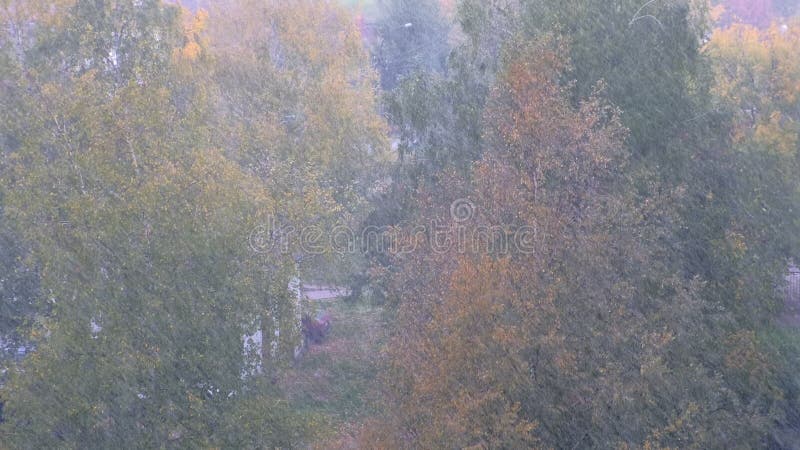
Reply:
x=199 y=21
x=302 y=92
x=736 y=242
x=190 y=51
x=473 y=360
x=758 y=73
x=776 y=135
x=678 y=425
x=319 y=34
x=193 y=28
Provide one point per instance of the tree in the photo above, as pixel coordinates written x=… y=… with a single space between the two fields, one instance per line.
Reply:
x=19 y=283
x=566 y=322
x=646 y=52
x=756 y=78
x=140 y=226
x=756 y=73
x=18 y=288
x=413 y=37
x=298 y=108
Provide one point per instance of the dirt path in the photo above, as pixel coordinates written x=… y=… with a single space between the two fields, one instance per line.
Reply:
x=335 y=381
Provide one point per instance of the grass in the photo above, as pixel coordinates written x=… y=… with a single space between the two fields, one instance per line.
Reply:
x=335 y=382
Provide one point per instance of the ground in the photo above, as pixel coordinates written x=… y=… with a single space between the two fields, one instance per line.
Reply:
x=336 y=382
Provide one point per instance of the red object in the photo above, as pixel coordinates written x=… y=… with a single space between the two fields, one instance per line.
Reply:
x=315 y=330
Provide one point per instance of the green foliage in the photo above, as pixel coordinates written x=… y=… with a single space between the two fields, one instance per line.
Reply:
x=120 y=41
x=339 y=378
x=651 y=167
x=645 y=52
x=18 y=287
x=139 y=217
x=297 y=108
x=662 y=270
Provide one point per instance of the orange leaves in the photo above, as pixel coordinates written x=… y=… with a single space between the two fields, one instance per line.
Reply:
x=562 y=151
x=472 y=318
x=190 y=51
x=193 y=28
x=526 y=101
x=474 y=342
x=465 y=323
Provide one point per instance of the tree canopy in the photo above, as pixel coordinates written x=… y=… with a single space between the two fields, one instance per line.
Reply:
x=572 y=221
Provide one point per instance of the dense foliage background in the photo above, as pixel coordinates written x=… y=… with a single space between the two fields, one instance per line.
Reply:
x=632 y=168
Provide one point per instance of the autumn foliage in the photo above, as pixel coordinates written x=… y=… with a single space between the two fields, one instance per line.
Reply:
x=577 y=218
x=589 y=338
